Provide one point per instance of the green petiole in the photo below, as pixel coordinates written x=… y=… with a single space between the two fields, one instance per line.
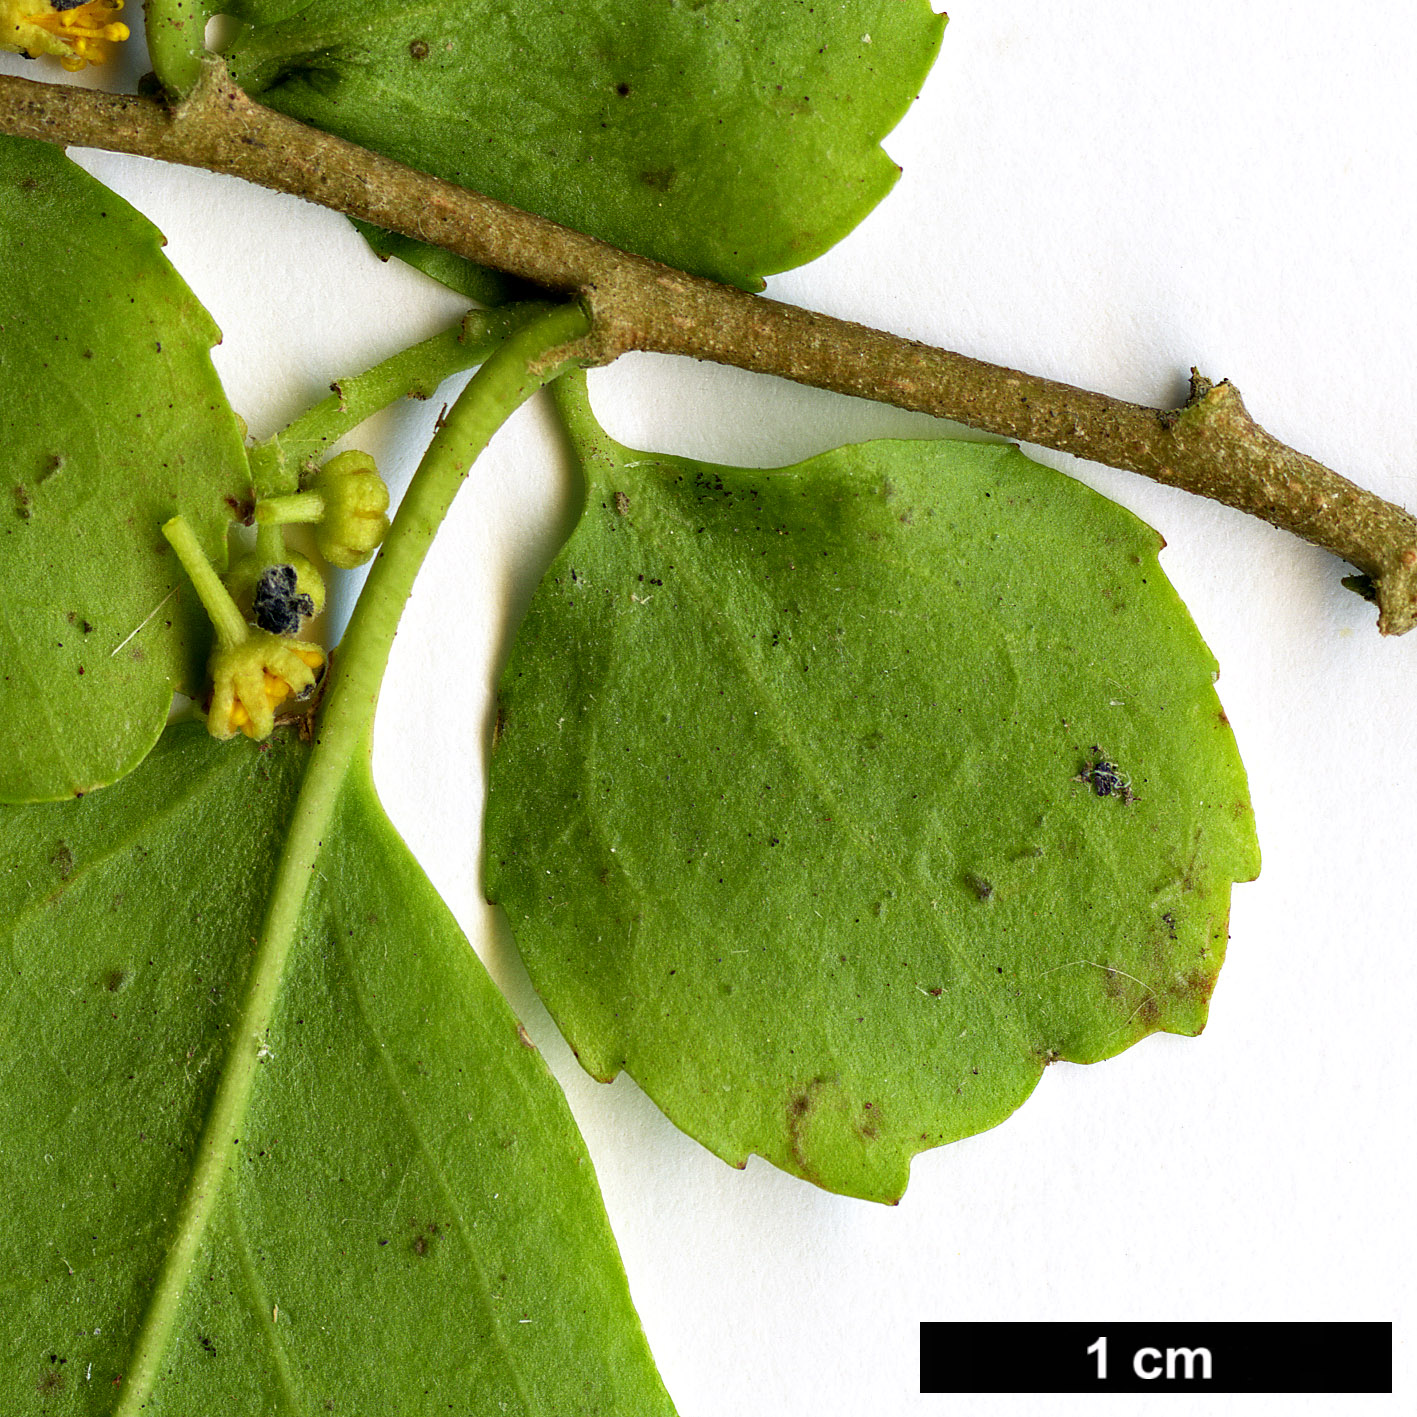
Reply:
x=177 y=41
x=523 y=363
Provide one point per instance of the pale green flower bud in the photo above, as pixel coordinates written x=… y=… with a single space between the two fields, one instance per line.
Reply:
x=356 y=509
x=347 y=502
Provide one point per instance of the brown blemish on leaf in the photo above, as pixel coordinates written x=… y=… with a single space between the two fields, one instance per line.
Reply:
x=115 y=979
x=867 y=1127
x=524 y=1038
x=982 y=888
x=622 y=503
x=1114 y=984
x=243 y=510
x=424 y=1238
x=62 y=859
x=1197 y=987
x=804 y=1104
x=418 y=49
x=800 y=1107
x=51 y=1380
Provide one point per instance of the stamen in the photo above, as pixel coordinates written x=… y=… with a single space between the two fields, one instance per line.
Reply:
x=84 y=29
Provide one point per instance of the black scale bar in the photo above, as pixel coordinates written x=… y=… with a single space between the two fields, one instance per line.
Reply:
x=1159 y=1357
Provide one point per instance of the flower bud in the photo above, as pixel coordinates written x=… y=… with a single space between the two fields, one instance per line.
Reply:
x=356 y=507
x=277 y=595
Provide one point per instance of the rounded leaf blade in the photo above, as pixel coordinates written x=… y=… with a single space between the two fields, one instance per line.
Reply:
x=111 y=420
x=732 y=138
x=834 y=802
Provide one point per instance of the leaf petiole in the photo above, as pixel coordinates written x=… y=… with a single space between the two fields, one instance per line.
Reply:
x=177 y=41
x=528 y=359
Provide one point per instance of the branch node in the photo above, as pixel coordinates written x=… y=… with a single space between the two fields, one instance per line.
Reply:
x=1200 y=387
x=214 y=87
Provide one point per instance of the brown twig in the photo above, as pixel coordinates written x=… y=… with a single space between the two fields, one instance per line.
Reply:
x=1210 y=446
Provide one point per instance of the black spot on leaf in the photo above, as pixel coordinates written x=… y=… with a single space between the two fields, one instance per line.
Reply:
x=1105 y=778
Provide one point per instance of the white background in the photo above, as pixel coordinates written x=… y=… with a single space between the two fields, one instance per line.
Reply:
x=1106 y=193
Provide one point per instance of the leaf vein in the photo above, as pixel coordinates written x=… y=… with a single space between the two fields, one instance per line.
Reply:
x=145 y=827
x=262 y=1309
x=810 y=769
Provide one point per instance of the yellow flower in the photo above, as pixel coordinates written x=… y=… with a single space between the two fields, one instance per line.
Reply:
x=252 y=679
x=76 y=32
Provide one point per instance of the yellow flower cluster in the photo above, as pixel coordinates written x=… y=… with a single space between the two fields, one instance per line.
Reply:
x=77 y=34
x=253 y=671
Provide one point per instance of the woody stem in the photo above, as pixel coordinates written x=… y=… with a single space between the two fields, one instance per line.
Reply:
x=1211 y=446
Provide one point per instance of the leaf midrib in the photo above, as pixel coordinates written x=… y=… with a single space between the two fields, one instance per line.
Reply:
x=342 y=748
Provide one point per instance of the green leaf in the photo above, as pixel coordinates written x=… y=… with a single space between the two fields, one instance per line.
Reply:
x=733 y=138
x=405 y=1221
x=114 y=421
x=795 y=809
